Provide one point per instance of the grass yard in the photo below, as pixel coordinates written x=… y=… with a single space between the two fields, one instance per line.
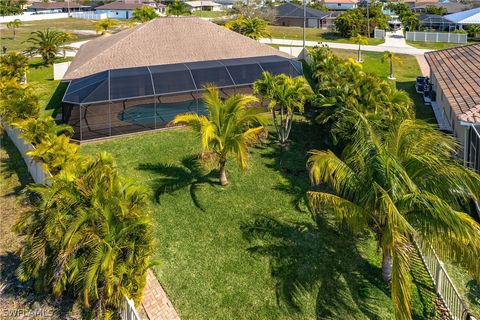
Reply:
x=437 y=45
x=82 y=28
x=250 y=250
x=312 y=34
x=405 y=71
x=209 y=14
x=40 y=77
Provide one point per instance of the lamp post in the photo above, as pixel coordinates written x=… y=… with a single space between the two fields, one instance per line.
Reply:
x=304 y=21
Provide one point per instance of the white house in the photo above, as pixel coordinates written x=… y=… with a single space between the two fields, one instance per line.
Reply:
x=124 y=9
x=203 y=6
x=340 y=4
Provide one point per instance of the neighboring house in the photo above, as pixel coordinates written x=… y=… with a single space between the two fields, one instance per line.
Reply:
x=141 y=78
x=450 y=7
x=55 y=7
x=203 y=6
x=291 y=15
x=340 y=4
x=436 y=22
x=454 y=74
x=465 y=18
x=124 y=9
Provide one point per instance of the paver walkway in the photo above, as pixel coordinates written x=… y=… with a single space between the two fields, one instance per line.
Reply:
x=395 y=39
x=155 y=302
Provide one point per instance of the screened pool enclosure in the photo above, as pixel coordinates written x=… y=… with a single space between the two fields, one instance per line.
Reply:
x=122 y=101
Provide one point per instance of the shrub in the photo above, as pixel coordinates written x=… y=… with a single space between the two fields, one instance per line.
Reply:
x=17 y=102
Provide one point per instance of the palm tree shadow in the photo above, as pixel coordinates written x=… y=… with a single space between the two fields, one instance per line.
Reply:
x=308 y=258
x=172 y=178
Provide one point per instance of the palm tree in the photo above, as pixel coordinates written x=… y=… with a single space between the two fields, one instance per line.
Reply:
x=14 y=25
x=411 y=22
x=144 y=14
x=254 y=28
x=360 y=40
x=102 y=26
x=391 y=57
x=13 y=65
x=48 y=44
x=90 y=234
x=286 y=95
x=229 y=130
x=401 y=185
x=177 y=8
x=474 y=30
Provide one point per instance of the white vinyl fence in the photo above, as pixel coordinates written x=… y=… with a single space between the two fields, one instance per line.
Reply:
x=443 y=284
x=128 y=310
x=436 y=37
x=89 y=15
x=35 y=168
x=30 y=16
x=379 y=34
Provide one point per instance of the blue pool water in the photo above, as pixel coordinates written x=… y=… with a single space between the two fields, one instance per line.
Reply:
x=147 y=114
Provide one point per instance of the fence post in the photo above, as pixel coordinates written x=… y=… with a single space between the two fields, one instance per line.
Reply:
x=438 y=276
x=436 y=38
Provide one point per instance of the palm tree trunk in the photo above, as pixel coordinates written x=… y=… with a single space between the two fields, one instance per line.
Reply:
x=223 y=173
x=387 y=264
x=14 y=33
x=359 y=59
x=391 y=68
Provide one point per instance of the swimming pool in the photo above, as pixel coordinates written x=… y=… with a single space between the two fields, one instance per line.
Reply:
x=152 y=113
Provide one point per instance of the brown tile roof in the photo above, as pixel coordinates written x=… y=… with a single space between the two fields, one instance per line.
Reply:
x=165 y=40
x=457 y=71
x=56 y=5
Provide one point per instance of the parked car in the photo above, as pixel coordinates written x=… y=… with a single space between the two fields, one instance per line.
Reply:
x=420 y=84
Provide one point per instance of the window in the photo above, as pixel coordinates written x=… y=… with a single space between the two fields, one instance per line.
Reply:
x=339 y=4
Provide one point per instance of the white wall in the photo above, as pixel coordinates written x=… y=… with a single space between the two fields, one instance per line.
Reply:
x=28 y=16
x=340 y=6
x=59 y=70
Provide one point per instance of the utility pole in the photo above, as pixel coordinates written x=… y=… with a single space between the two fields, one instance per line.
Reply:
x=68 y=5
x=304 y=21
x=368 y=21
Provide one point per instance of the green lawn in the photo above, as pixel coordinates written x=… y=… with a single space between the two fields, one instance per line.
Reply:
x=405 y=71
x=312 y=34
x=437 y=45
x=209 y=14
x=23 y=32
x=250 y=250
x=40 y=77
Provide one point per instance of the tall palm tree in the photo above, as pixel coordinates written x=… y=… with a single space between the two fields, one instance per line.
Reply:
x=90 y=235
x=177 y=8
x=48 y=44
x=286 y=96
x=230 y=129
x=13 y=65
x=14 y=25
x=360 y=40
x=102 y=26
x=391 y=57
x=401 y=185
x=254 y=28
x=144 y=14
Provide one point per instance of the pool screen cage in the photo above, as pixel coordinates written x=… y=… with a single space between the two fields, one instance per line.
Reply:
x=123 y=101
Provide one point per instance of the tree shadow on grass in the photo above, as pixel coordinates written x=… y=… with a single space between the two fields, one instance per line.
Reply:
x=291 y=160
x=13 y=164
x=319 y=260
x=189 y=175
x=55 y=102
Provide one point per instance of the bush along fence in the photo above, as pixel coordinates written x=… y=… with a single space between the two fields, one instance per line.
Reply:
x=35 y=168
x=443 y=284
x=41 y=175
x=436 y=37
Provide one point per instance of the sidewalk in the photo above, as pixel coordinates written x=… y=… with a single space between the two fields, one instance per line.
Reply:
x=350 y=46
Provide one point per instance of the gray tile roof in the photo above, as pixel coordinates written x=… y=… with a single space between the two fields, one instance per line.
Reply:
x=290 y=10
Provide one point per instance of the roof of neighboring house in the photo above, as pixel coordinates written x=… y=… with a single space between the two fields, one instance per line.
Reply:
x=290 y=10
x=166 y=40
x=57 y=5
x=124 y=5
x=457 y=71
x=450 y=7
x=202 y=4
x=341 y=1
x=471 y=16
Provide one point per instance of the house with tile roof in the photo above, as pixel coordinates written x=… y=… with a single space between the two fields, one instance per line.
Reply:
x=291 y=15
x=123 y=9
x=455 y=79
x=465 y=18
